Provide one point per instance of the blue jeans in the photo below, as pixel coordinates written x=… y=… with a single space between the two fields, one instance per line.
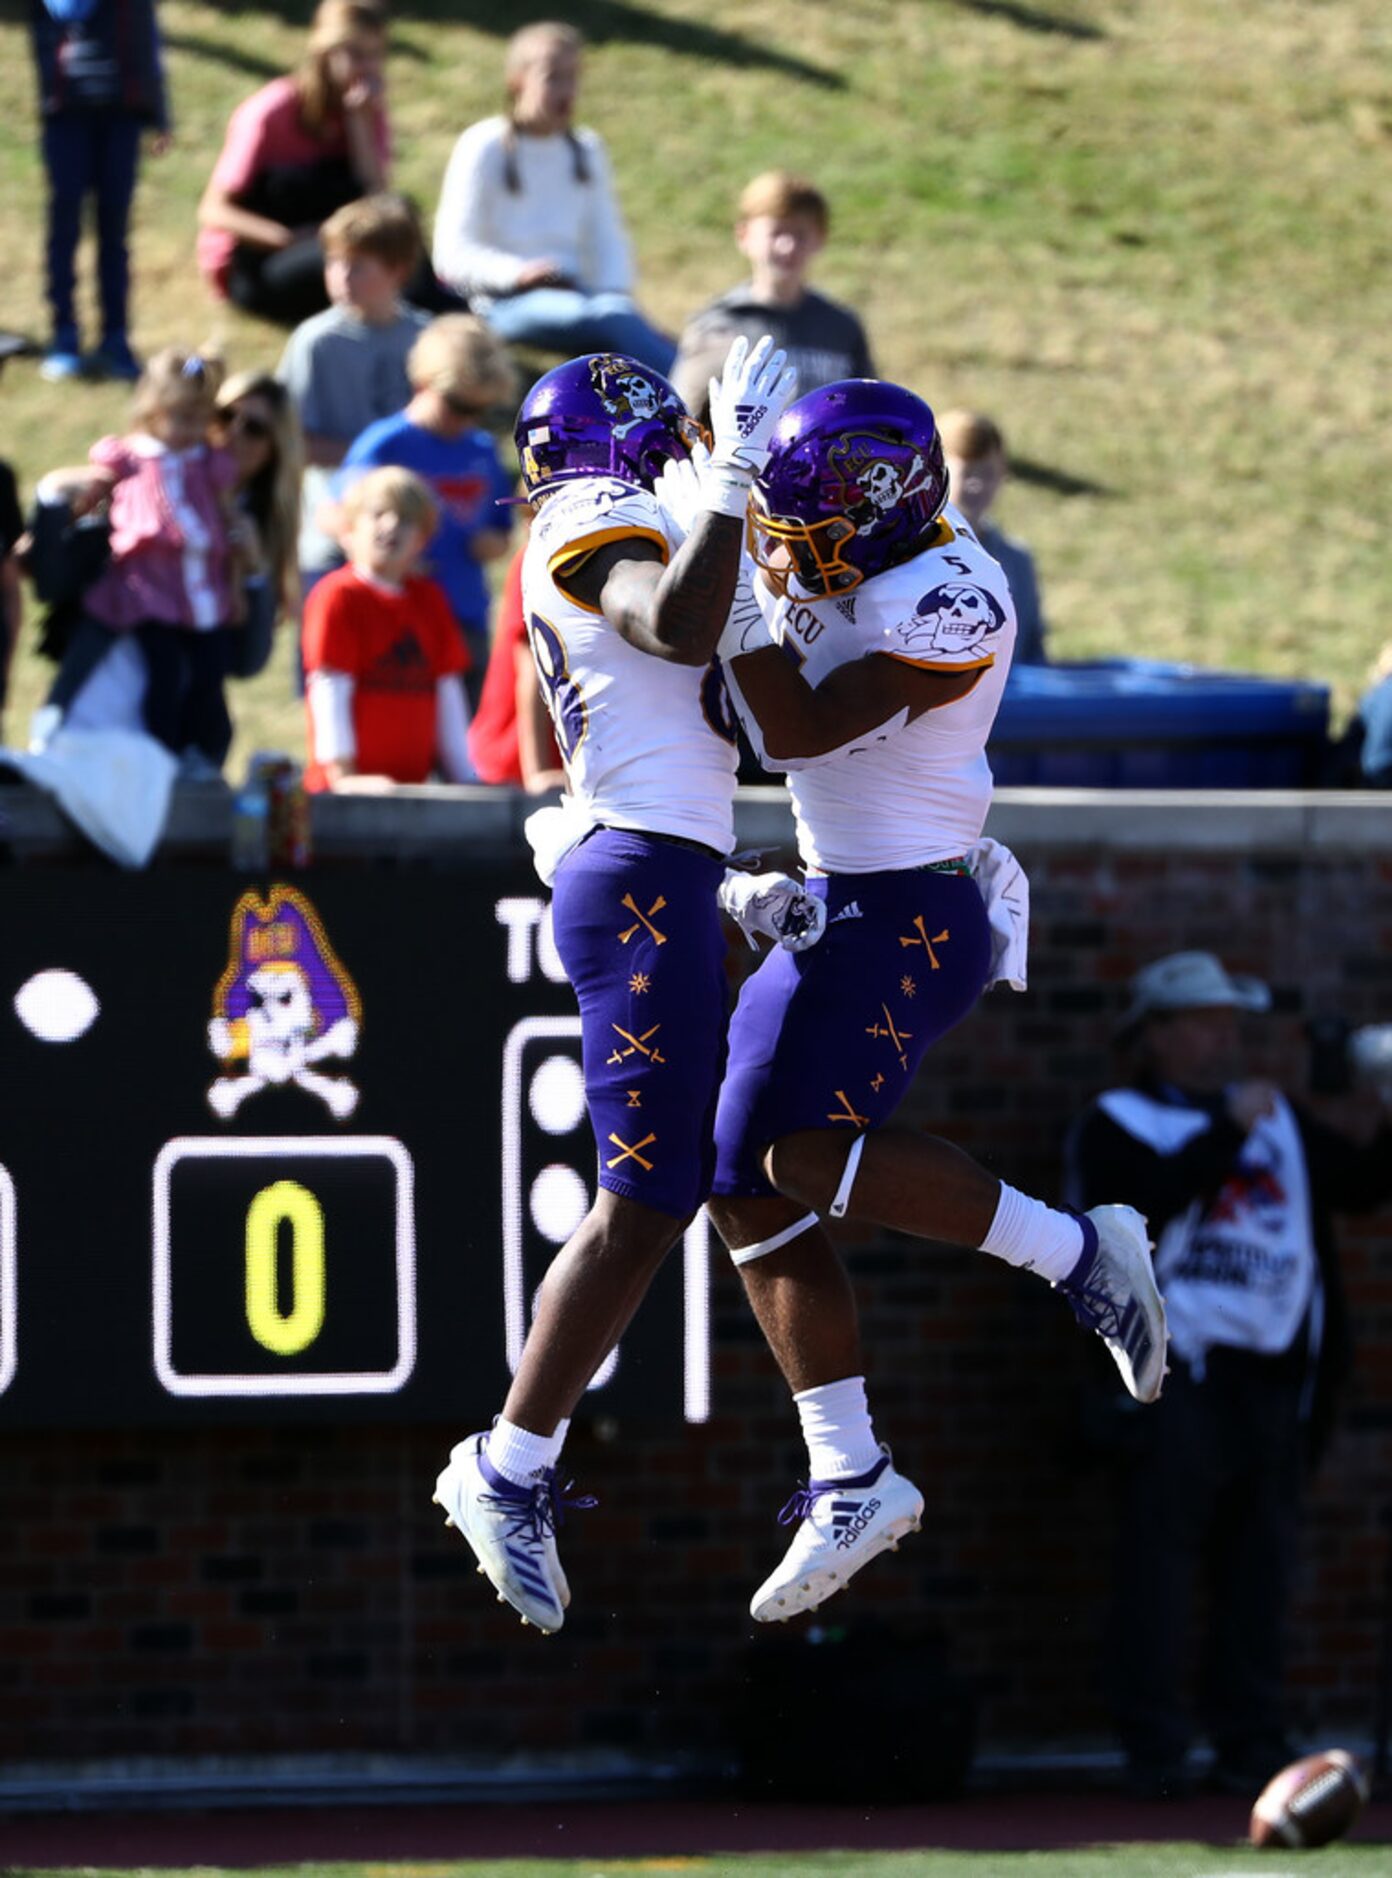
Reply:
x=1376 y=712
x=562 y=319
x=90 y=153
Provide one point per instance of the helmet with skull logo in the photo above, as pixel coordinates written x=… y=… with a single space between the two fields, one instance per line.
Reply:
x=855 y=484
x=600 y=415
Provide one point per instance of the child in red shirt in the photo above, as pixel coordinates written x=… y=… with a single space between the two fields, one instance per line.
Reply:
x=382 y=655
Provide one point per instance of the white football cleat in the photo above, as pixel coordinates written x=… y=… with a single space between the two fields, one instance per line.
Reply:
x=844 y=1524
x=511 y=1530
x=553 y=1554
x=1114 y=1293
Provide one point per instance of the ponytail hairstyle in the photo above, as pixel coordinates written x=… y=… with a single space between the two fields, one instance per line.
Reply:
x=175 y=378
x=529 y=43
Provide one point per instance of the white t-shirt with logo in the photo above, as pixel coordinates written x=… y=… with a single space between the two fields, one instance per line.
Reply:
x=1243 y=1271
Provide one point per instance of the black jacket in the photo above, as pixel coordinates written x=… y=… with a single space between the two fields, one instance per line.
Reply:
x=109 y=60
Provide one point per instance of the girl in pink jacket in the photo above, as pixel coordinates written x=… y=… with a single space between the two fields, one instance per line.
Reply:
x=173 y=576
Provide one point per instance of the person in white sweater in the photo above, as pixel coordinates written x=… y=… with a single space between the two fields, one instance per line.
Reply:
x=528 y=228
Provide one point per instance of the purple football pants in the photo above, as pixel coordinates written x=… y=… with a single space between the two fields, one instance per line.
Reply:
x=831 y=1038
x=639 y=934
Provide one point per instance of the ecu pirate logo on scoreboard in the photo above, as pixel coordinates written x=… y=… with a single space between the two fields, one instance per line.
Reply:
x=283 y=1004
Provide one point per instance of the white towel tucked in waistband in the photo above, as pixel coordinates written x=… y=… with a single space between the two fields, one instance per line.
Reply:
x=554 y=831
x=1004 y=887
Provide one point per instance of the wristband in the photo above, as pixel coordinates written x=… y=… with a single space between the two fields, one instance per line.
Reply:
x=725 y=490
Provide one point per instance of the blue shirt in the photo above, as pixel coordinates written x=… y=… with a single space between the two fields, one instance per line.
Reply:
x=466 y=479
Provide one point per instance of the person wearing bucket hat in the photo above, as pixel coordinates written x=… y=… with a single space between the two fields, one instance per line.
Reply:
x=1239 y=1185
x=1184 y=981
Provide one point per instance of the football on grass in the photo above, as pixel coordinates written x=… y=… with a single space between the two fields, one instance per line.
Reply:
x=1310 y=1802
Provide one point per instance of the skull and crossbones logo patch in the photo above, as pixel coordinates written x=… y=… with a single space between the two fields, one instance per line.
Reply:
x=283 y=1005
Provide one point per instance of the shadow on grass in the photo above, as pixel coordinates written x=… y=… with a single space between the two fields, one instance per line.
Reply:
x=601 y=21
x=1033 y=19
x=218 y=52
x=1045 y=476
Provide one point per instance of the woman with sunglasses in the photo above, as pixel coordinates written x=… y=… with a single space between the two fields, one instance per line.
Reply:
x=255 y=421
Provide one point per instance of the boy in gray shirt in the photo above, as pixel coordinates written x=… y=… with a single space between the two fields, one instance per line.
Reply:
x=782 y=227
x=346 y=367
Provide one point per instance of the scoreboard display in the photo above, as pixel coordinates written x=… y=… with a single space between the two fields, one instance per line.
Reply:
x=280 y=1150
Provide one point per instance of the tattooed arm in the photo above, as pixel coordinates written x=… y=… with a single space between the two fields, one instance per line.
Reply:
x=674 y=610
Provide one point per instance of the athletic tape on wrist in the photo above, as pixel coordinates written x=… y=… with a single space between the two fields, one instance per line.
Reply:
x=725 y=490
x=843 y=1192
x=798 y=1227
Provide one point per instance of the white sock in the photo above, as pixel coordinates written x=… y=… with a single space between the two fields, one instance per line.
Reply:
x=519 y=1455
x=1033 y=1236
x=837 y=1429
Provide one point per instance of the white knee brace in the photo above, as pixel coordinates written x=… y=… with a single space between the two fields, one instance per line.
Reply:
x=758 y=1250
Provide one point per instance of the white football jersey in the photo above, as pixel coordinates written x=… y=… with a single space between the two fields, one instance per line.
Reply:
x=647 y=743
x=919 y=791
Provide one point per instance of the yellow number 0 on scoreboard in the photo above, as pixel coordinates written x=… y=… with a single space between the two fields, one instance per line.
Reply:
x=285 y=1332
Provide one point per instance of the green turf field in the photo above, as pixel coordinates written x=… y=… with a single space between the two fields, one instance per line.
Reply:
x=1150 y=238
x=1130 y=1861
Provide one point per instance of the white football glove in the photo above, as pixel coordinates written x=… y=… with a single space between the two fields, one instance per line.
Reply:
x=774 y=905
x=679 y=487
x=746 y=402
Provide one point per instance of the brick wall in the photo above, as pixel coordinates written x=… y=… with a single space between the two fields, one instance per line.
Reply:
x=295 y=1590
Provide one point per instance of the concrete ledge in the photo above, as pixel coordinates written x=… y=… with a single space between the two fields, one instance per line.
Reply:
x=1244 y=821
x=445 y=823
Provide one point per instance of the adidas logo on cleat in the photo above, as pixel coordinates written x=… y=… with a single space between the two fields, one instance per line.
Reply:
x=848 y=1521
x=1135 y=1338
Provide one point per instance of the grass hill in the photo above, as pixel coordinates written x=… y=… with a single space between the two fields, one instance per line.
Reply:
x=1150 y=238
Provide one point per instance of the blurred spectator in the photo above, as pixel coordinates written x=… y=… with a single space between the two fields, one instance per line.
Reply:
x=255 y=419
x=102 y=677
x=11 y=604
x=781 y=227
x=528 y=228
x=346 y=367
x=11 y=601
x=294 y=152
x=172 y=576
x=101 y=84
x=1375 y=715
x=510 y=738
x=381 y=653
x=1239 y=1186
x=976 y=462
x=459 y=370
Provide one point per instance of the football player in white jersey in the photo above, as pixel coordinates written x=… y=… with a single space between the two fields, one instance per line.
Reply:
x=866 y=656
x=623 y=614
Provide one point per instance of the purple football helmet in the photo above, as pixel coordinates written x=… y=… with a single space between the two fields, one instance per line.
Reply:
x=600 y=415
x=855 y=483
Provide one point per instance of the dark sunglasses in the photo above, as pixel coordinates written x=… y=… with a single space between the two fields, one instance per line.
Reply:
x=461 y=407
x=247 y=422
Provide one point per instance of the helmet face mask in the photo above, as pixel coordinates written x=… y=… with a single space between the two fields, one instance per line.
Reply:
x=855 y=484
x=601 y=415
x=805 y=552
